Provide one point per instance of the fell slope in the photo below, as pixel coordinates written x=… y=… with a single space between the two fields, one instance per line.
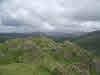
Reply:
x=43 y=56
x=90 y=42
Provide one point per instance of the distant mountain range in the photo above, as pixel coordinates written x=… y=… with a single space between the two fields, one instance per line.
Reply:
x=6 y=36
x=53 y=35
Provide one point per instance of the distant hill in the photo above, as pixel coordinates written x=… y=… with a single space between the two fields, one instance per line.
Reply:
x=7 y=36
x=90 y=41
x=43 y=56
x=53 y=35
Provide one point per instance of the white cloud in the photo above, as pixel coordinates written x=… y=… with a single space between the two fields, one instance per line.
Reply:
x=47 y=27
x=50 y=15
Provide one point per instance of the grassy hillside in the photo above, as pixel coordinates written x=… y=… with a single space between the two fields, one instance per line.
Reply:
x=43 y=56
x=90 y=42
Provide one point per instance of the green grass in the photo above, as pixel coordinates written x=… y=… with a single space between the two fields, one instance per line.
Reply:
x=91 y=43
x=42 y=60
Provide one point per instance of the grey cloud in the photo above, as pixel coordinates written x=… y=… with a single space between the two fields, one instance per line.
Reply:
x=82 y=10
x=1 y=1
x=49 y=15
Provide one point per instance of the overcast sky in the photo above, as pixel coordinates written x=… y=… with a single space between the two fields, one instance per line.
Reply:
x=49 y=15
